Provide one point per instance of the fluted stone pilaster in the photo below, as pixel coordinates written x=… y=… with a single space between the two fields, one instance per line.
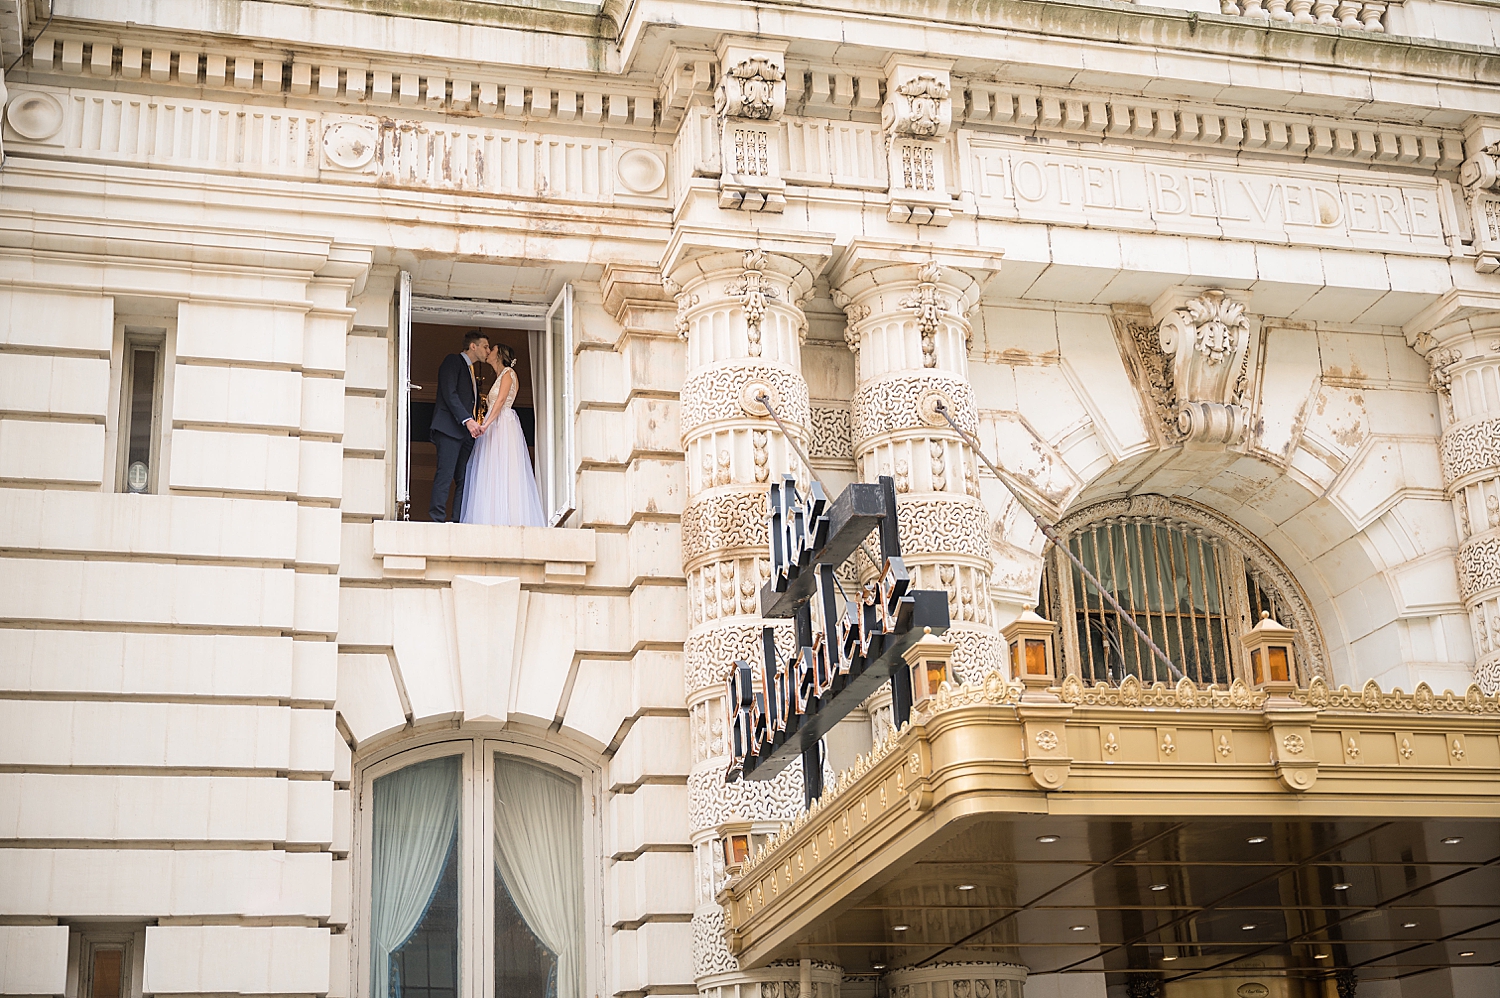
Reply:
x=907 y=324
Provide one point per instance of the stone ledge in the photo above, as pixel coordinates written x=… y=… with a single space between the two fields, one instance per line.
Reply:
x=405 y=548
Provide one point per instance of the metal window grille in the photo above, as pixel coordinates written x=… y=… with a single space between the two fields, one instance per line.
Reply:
x=1193 y=594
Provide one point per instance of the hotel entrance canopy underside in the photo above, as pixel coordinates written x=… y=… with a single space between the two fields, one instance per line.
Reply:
x=1182 y=832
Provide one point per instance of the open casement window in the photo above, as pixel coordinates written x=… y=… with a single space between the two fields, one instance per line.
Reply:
x=429 y=327
x=1195 y=584
x=482 y=875
x=555 y=474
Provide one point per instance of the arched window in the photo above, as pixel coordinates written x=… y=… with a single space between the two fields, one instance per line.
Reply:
x=1189 y=578
x=480 y=860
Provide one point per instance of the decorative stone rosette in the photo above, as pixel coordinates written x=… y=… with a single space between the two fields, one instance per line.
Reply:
x=912 y=339
x=744 y=328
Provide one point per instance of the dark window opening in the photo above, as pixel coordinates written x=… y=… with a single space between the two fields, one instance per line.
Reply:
x=426 y=965
x=524 y=968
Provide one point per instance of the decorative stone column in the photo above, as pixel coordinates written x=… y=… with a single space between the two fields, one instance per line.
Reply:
x=1462 y=347
x=739 y=310
x=906 y=311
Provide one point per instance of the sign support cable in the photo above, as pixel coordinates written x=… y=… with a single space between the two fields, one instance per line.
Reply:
x=1050 y=532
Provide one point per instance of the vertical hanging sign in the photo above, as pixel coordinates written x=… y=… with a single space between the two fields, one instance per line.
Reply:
x=846 y=646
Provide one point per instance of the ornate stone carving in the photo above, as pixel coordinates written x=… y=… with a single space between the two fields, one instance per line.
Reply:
x=712 y=802
x=894 y=404
x=830 y=438
x=685 y=303
x=754 y=88
x=753 y=291
x=957 y=980
x=1207 y=340
x=1480 y=177
x=931 y=528
x=919 y=108
x=722 y=521
x=1439 y=359
x=1471 y=447
x=710 y=947
x=929 y=307
x=712 y=394
x=854 y=313
x=1478 y=566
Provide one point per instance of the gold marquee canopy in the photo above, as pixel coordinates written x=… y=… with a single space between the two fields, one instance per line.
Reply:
x=1184 y=833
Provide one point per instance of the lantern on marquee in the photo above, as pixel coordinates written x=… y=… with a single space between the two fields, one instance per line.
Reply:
x=928 y=661
x=736 y=851
x=1269 y=650
x=1031 y=649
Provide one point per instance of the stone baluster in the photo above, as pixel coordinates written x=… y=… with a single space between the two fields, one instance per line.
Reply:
x=1463 y=352
x=739 y=312
x=907 y=323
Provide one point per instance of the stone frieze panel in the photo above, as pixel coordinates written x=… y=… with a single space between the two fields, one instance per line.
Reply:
x=1134 y=190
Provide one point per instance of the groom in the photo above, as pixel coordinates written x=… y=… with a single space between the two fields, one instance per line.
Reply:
x=455 y=423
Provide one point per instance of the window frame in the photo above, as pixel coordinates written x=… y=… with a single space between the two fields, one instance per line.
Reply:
x=476 y=830
x=559 y=498
x=158 y=334
x=83 y=941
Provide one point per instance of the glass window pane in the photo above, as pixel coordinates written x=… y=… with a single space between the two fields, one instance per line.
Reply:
x=414 y=882
x=557 y=388
x=142 y=410
x=538 y=881
x=107 y=973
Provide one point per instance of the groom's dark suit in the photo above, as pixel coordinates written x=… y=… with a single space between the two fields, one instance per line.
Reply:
x=455 y=404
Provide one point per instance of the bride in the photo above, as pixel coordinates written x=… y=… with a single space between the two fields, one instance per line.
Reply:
x=500 y=487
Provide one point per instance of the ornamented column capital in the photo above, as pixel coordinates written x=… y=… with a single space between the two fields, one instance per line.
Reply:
x=935 y=287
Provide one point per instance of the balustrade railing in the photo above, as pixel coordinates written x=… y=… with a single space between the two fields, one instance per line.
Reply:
x=1360 y=16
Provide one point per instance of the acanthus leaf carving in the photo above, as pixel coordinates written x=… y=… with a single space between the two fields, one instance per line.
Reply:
x=929 y=307
x=754 y=292
x=1207 y=342
x=754 y=88
x=919 y=108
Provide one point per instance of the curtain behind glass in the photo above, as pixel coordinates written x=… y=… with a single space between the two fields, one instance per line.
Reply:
x=539 y=853
x=415 y=821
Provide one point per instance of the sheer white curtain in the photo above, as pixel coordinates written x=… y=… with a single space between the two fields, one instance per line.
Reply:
x=415 y=820
x=539 y=852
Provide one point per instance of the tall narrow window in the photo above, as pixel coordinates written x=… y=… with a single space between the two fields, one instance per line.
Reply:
x=414 y=888
x=140 y=403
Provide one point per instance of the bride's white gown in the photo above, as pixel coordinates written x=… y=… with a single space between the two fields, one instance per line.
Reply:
x=499 y=485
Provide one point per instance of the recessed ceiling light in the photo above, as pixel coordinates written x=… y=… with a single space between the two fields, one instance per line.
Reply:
x=877 y=966
x=1080 y=928
x=1158 y=887
x=1248 y=926
x=1168 y=959
x=1256 y=840
x=1046 y=840
x=1321 y=956
x=1408 y=925
x=900 y=928
x=966 y=887
x=1467 y=952
x=1453 y=840
x=1341 y=887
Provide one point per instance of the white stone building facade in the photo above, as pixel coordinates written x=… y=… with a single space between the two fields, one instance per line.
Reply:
x=1245 y=257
